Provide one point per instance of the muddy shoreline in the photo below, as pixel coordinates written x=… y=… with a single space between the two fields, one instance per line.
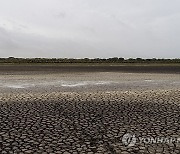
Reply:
x=41 y=69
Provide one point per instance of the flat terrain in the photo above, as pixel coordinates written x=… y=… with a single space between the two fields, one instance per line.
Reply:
x=82 y=109
x=55 y=68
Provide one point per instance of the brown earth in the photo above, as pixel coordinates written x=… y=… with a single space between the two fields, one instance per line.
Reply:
x=9 y=69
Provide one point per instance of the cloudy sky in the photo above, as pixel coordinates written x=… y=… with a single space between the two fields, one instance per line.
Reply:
x=90 y=28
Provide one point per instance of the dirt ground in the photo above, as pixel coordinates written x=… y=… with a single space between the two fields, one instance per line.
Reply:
x=76 y=110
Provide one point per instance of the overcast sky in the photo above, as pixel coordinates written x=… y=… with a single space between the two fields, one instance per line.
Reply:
x=90 y=28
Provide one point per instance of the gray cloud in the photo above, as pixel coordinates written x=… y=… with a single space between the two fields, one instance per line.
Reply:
x=61 y=15
x=103 y=28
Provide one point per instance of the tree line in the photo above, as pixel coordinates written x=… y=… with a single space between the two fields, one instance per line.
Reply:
x=86 y=60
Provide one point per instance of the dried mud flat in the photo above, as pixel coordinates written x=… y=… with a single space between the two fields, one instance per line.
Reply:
x=76 y=113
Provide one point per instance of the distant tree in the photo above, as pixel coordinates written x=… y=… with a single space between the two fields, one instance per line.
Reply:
x=121 y=59
x=139 y=59
x=86 y=60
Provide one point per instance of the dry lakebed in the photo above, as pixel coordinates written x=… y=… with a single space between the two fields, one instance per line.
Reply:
x=86 y=112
